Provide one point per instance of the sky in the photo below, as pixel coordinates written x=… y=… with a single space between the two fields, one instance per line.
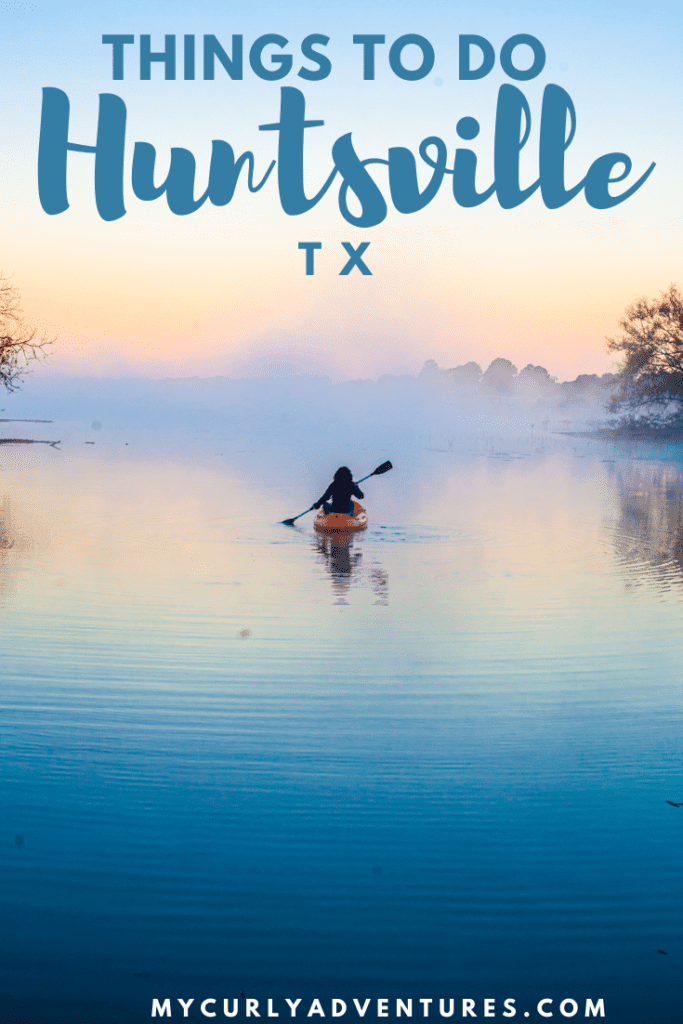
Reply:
x=224 y=290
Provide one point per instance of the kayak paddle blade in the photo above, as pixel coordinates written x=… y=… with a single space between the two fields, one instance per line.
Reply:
x=384 y=468
x=290 y=522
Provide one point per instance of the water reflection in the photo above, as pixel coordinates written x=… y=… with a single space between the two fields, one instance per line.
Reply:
x=379 y=582
x=235 y=761
x=649 y=532
x=6 y=541
x=342 y=556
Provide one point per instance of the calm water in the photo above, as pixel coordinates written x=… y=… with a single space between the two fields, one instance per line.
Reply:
x=433 y=763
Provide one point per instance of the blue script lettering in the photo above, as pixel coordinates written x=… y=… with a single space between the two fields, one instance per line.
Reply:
x=512 y=132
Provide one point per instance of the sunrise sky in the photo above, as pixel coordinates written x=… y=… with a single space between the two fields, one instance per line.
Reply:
x=223 y=291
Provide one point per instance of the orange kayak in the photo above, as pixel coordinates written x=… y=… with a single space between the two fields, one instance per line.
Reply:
x=338 y=522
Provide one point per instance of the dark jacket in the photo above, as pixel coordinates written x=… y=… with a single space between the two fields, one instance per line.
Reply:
x=341 y=492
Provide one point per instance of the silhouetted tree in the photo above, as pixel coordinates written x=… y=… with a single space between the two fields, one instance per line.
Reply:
x=651 y=379
x=589 y=387
x=464 y=378
x=19 y=345
x=430 y=370
x=534 y=382
x=536 y=373
x=499 y=374
x=469 y=370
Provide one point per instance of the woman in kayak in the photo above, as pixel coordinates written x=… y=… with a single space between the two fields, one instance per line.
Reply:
x=341 y=491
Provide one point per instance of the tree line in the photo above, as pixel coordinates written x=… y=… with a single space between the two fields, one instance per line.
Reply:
x=647 y=391
x=502 y=379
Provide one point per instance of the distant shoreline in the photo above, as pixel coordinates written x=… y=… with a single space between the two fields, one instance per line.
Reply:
x=625 y=434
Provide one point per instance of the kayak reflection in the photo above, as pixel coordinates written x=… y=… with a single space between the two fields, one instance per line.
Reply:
x=342 y=556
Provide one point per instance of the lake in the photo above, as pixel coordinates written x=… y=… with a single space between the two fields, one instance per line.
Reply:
x=432 y=763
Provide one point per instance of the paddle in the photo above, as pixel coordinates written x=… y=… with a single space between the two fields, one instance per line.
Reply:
x=384 y=468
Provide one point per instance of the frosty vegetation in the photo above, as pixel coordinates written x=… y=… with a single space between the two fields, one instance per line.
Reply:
x=650 y=391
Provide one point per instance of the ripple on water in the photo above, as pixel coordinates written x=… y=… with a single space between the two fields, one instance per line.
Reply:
x=244 y=758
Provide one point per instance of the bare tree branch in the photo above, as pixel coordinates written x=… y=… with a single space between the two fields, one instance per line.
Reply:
x=19 y=344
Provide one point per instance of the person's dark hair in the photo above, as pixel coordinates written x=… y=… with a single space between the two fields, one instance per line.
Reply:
x=342 y=474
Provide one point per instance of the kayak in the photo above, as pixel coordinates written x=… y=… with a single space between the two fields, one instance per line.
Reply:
x=338 y=522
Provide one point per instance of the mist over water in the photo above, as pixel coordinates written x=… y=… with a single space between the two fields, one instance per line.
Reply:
x=432 y=761
x=447 y=401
